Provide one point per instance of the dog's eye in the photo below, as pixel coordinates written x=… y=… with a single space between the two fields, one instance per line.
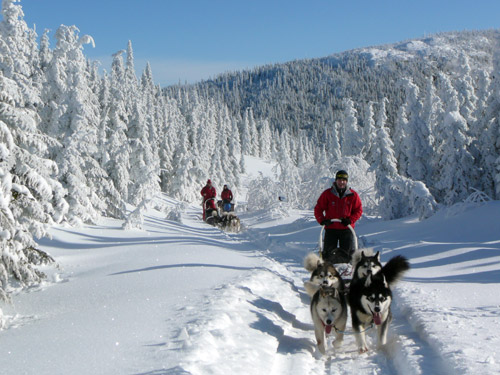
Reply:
x=324 y=310
x=382 y=299
x=371 y=299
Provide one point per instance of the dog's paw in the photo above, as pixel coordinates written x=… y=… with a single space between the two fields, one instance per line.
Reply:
x=338 y=343
x=321 y=347
x=363 y=350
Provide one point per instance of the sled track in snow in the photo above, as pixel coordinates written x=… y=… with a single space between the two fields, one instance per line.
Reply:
x=407 y=351
x=261 y=324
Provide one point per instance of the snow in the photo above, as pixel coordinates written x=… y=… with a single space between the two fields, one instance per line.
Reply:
x=181 y=297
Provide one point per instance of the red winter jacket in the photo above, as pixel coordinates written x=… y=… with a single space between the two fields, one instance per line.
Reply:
x=208 y=192
x=226 y=195
x=331 y=206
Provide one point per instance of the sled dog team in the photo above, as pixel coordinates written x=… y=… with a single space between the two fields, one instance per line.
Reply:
x=369 y=297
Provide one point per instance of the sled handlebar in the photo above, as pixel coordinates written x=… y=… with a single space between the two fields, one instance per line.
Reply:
x=204 y=203
x=355 y=239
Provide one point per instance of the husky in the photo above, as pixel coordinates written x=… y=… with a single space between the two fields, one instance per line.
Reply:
x=230 y=222
x=328 y=311
x=370 y=296
x=365 y=262
x=322 y=273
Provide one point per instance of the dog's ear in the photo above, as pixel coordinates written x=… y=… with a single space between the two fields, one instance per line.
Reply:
x=377 y=255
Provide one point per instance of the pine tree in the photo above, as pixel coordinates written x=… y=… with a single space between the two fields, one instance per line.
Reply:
x=384 y=164
x=418 y=136
x=30 y=198
x=455 y=163
x=264 y=140
x=399 y=136
x=351 y=141
x=369 y=130
x=144 y=180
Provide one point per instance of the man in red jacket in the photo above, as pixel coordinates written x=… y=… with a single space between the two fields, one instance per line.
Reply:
x=227 y=197
x=338 y=202
x=208 y=192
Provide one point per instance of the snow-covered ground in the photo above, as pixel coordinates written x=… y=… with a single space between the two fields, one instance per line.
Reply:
x=186 y=298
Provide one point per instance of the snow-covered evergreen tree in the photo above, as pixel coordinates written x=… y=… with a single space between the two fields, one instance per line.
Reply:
x=29 y=198
x=399 y=136
x=369 y=130
x=418 y=136
x=351 y=140
x=144 y=172
x=455 y=163
x=265 y=140
x=333 y=150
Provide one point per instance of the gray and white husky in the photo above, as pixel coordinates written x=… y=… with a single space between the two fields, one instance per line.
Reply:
x=322 y=273
x=365 y=262
x=370 y=296
x=328 y=311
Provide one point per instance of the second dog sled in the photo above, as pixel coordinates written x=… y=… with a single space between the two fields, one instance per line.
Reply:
x=221 y=216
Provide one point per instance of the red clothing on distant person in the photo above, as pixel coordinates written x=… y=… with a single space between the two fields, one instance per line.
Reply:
x=208 y=192
x=226 y=195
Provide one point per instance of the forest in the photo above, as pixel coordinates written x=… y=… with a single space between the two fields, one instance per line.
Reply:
x=416 y=124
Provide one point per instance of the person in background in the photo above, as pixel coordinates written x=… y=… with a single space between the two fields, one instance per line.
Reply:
x=227 y=197
x=338 y=202
x=208 y=192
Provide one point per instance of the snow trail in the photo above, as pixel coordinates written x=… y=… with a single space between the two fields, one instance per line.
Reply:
x=182 y=297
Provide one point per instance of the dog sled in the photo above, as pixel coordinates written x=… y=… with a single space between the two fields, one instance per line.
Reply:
x=339 y=257
x=221 y=215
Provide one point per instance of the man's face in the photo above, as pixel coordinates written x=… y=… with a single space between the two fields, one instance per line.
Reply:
x=341 y=183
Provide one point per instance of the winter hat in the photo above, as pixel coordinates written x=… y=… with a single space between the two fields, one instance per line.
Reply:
x=209 y=181
x=342 y=174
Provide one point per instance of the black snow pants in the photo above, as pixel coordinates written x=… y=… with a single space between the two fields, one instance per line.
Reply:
x=338 y=245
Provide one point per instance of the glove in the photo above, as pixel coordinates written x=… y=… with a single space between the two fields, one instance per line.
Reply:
x=326 y=222
x=345 y=221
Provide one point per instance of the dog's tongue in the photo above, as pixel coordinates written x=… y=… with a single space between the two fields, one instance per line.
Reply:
x=328 y=329
x=377 y=319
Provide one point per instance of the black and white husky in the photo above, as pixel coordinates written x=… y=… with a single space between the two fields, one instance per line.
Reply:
x=370 y=295
x=328 y=312
x=322 y=273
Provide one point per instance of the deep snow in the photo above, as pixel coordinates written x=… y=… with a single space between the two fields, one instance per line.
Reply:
x=186 y=298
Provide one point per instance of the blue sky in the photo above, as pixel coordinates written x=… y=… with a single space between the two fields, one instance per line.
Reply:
x=190 y=40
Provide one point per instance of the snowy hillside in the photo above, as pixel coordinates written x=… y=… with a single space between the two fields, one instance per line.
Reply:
x=181 y=297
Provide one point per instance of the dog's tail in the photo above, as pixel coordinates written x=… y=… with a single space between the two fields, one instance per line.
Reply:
x=311 y=262
x=395 y=268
